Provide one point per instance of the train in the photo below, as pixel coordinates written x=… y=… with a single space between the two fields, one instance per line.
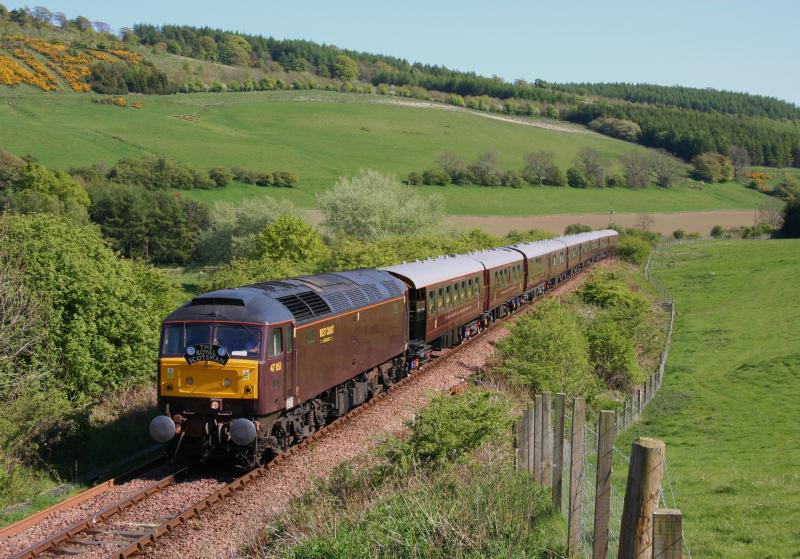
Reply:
x=244 y=373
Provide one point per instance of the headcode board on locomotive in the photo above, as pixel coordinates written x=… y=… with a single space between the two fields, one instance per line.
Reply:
x=244 y=373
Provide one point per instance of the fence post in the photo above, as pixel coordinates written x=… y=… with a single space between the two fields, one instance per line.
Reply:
x=537 y=435
x=575 y=475
x=530 y=447
x=638 y=401
x=625 y=411
x=602 y=499
x=515 y=431
x=558 y=450
x=547 y=439
x=641 y=498
x=523 y=441
x=646 y=393
x=667 y=534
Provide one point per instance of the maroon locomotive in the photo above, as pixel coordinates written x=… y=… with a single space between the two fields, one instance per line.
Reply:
x=246 y=372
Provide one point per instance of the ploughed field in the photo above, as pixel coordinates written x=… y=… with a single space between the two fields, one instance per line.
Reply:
x=324 y=135
x=728 y=407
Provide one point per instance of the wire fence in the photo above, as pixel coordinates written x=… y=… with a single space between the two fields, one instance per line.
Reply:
x=588 y=480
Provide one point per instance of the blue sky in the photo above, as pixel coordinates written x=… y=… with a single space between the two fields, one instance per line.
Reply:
x=726 y=44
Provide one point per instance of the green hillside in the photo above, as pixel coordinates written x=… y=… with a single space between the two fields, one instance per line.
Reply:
x=727 y=407
x=324 y=135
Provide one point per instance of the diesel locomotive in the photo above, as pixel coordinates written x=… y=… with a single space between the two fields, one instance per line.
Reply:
x=244 y=373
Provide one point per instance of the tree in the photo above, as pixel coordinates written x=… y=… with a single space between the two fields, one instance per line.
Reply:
x=645 y=221
x=81 y=24
x=592 y=165
x=290 y=239
x=576 y=178
x=791 y=219
x=103 y=311
x=740 y=159
x=345 y=68
x=60 y=19
x=637 y=169
x=713 y=167
x=554 y=177
x=371 y=205
x=537 y=164
x=664 y=168
x=452 y=164
x=717 y=231
x=435 y=177
x=40 y=13
x=102 y=27
x=633 y=249
x=235 y=50
x=617 y=127
x=484 y=169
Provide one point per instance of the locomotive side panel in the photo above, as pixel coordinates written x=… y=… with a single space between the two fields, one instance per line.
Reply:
x=335 y=349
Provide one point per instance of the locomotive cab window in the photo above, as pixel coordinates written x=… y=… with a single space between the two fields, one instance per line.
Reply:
x=275 y=346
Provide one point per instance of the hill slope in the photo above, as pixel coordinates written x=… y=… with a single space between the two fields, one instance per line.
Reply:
x=322 y=136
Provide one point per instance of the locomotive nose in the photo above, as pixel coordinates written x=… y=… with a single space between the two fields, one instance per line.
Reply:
x=162 y=429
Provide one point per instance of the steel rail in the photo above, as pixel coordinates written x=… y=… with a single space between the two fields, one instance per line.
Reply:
x=65 y=535
x=78 y=498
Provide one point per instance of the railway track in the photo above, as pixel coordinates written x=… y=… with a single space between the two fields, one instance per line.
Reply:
x=90 y=534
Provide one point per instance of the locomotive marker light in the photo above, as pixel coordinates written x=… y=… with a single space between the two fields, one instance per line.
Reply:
x=162 y=429
x=243 y=431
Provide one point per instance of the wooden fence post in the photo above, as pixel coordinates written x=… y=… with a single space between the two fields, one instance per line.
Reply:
x=523 y=441
x=558 y=450
x=530 y=448
x=602 y=499
x=641 y=498
x=667 y=534
x=646 y=393
x=516 y=430
x=537 y=439
x=547 y=439
x=575 y=475
x=638 y=402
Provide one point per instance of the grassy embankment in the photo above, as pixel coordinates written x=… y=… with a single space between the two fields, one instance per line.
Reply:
x=323 y=135
x=727 y=409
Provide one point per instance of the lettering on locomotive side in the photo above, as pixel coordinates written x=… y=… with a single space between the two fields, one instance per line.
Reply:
x=326 y=334
x=276 y=367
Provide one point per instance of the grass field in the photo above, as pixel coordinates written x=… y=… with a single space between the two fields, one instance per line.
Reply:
x=728 y=406
x=323 y=135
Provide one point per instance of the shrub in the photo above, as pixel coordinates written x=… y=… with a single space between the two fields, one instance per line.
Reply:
x=791 y=220
x=220 y=176
x=717 y=231
x=679 y=234
x=554 y=177
x=576 y=178
x=414 y=179
x=546 y=350
x=617 y=127
x=512 y=179
x=633 y=249
x=576 y=228
x=615 y=180
x=612 y=354
x=435 y=177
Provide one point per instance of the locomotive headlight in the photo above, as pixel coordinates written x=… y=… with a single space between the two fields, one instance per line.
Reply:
x=215 y=405
x=169 y=387
x=248 y=389
x=189 y=381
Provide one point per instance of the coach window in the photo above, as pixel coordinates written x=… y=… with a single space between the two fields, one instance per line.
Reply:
x=456 y=294
x=431 y=302
x=447 y=297
x=441 y=298
x=463 y=289
x=470 y=291
x=275 y=342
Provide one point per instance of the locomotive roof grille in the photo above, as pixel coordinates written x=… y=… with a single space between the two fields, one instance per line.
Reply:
x=305 y=305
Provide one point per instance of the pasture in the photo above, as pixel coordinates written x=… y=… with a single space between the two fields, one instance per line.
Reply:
x=728 y=407
x=322 y=136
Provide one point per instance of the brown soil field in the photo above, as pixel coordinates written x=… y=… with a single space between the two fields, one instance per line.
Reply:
x=664 y=223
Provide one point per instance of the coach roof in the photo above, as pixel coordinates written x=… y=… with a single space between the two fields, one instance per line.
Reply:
x=496 y=257
x=539 y=248
x=423 y=273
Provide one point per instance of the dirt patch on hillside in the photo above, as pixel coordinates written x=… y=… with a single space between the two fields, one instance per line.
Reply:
x=664 y=223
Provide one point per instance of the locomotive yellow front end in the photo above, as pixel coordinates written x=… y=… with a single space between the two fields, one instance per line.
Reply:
x=213 y=363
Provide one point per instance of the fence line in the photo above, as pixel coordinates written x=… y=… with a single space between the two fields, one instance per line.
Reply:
x=587 y=471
